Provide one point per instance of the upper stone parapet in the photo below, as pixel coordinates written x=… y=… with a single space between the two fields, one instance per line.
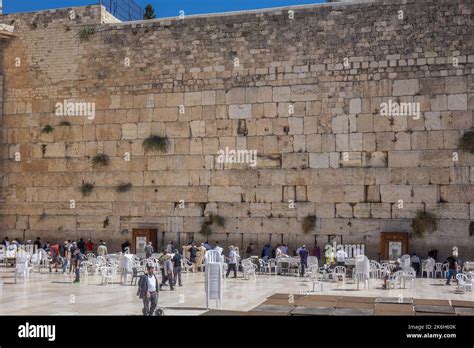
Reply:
x=93 y=14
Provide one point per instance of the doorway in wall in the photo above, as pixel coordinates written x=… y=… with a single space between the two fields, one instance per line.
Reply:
x=141 y=237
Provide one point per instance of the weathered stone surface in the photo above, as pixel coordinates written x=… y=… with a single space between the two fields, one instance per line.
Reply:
x=314 y=122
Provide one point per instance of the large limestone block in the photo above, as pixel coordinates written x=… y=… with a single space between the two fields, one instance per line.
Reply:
x=449 y=210
x=177 y=193
x=240 y=111
x=457 y=102
x=281 y=94
x=198 y=128
x=407 y=211
x=374 y=159
x=344 y=210
x=267 y=194
x=405 y=87
x=166 y=114
x=295 y=160
x=381 y=210
x=457 y=193
x=174 y=99
x=275 y=226
x=129 y=131
x=236 y=96
x=403 y=159
x=425 y=193
x=192 y=98
x=178 y=129
x=319 y=160
x=340 y=124
x=393 y=193
x=225 y=194
x=355 y=106
x=305 y=92
x=264 y=94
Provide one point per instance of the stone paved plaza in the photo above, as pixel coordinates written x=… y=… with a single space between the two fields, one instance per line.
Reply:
x=51 y=294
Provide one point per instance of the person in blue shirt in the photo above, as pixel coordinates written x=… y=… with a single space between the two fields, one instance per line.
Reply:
x=266 y=250
x=304 y=259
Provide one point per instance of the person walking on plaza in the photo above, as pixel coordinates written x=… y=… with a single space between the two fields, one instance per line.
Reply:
x=102 y=249
x=148 y=288
x=232 y=258
x=341 y=256
x=170 y=247
x=303 y=253
x=415 y=262
x=148 y=250
x=71 y=253
x=6 y=242
x=76 y=260
x=81 y=245
x=249 y=250
x=54 y=252
x=63 y=253
x=452 y=269
x=218 y=248
x=168 y=271
x=126 y=247
x=177 y=267
x=90 y=247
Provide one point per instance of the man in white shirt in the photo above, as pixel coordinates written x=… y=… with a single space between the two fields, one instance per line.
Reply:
x=218 y=248
x=341 y=256
x=148 y=291
x=232 y=262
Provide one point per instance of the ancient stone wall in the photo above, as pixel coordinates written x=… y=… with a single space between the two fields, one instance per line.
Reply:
x=304 y=88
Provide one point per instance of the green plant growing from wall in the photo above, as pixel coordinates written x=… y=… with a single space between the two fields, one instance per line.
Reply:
x=87 y=188
x=85 y=33
x=65 y=124
x=309 y=224
x=466 y=143
x=106 y=222
x=100 y=160
x=422 y=223
x=124 y=187
x=47 y=129
x=156 y=143
x=210 y=220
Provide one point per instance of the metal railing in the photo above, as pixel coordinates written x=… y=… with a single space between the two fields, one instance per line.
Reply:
x=125 y=10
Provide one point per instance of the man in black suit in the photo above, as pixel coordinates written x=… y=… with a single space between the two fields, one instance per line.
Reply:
x=148 y=288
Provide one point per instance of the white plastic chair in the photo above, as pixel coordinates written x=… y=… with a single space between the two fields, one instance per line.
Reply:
x=464 y=283
x=427 y=267
x=438 y=269
x=273 y=265
x=107 y=275
x=339 y=272
x=249 y=269
x=395 y=280
x=409 y=275
x=375 y=269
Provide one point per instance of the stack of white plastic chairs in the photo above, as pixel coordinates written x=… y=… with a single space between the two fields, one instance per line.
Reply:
x=21 y=265
x=214 y=273
x=126 y=265
x=362 y=271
